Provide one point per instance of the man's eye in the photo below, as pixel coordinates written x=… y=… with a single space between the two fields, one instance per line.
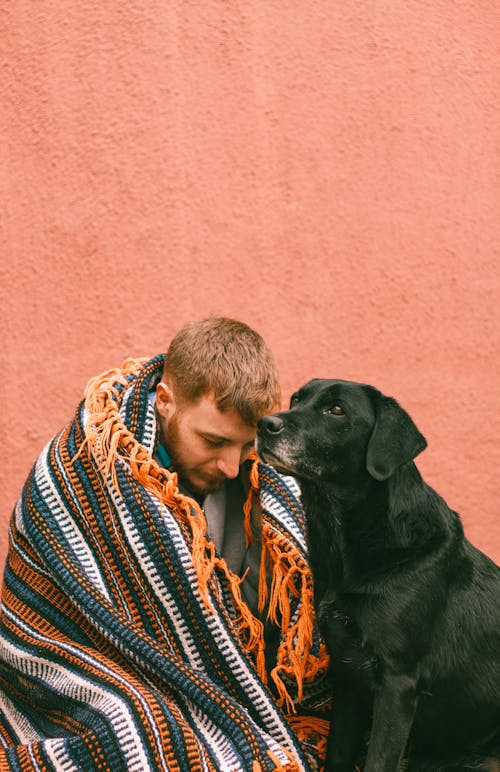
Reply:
x=294 y=400
x=214 y=443
x=335 y=410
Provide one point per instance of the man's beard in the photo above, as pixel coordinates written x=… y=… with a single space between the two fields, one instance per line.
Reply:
x=172 y=442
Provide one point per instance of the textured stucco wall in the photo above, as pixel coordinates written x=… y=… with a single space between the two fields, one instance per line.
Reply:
x=323 y=170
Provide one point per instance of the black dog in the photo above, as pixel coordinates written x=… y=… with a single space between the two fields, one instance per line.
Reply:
x=409 y=609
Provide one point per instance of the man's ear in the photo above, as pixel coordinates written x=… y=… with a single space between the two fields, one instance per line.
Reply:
x=165 y=401
x=395 y=440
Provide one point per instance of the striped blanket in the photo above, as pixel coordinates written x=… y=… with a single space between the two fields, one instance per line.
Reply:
x=124 y=640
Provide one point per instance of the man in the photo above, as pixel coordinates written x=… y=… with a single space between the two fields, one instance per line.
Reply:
x=157 y=603
x=207 y=413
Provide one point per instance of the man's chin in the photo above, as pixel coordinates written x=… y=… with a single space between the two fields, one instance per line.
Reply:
x=201 y=487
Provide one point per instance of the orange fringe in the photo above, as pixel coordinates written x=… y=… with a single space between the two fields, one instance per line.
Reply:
x=108 y=438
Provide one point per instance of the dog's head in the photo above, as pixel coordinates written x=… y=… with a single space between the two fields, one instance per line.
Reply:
x=339 y=430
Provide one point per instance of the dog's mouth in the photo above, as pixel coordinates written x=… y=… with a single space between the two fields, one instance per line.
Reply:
x=286 y=467
x=280 y=466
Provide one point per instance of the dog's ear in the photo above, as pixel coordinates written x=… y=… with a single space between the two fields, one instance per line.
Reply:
x=394 y=441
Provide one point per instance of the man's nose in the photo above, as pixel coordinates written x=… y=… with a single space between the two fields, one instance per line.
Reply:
x=229 y=462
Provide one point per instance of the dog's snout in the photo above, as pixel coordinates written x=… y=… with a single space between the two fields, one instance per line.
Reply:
x=271 y=423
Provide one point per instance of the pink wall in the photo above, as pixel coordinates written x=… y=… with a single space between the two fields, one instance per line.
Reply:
x=323 y=170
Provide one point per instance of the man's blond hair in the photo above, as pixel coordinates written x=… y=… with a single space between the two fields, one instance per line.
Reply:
x=228 y=359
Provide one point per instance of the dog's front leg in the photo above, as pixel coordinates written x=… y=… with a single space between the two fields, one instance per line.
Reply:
x=393 y=711
x=349 y=721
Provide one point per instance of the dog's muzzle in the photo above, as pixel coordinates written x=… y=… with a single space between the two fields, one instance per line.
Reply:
x=272 y=445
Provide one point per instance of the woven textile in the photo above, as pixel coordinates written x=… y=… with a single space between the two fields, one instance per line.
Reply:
x=124 y=640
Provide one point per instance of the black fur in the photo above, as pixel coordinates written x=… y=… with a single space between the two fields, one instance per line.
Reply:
x=410 y=610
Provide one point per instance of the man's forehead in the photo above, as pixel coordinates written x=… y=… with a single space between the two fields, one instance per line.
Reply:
x=226 y=424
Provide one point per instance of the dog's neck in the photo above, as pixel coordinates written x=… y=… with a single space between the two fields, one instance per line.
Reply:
x=362 y=533
x=337 y=528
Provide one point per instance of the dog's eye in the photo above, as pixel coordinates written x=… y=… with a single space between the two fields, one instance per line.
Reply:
x=294 y=400
x=335 y=410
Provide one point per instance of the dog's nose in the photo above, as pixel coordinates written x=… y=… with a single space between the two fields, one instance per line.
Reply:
x=271 y=423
